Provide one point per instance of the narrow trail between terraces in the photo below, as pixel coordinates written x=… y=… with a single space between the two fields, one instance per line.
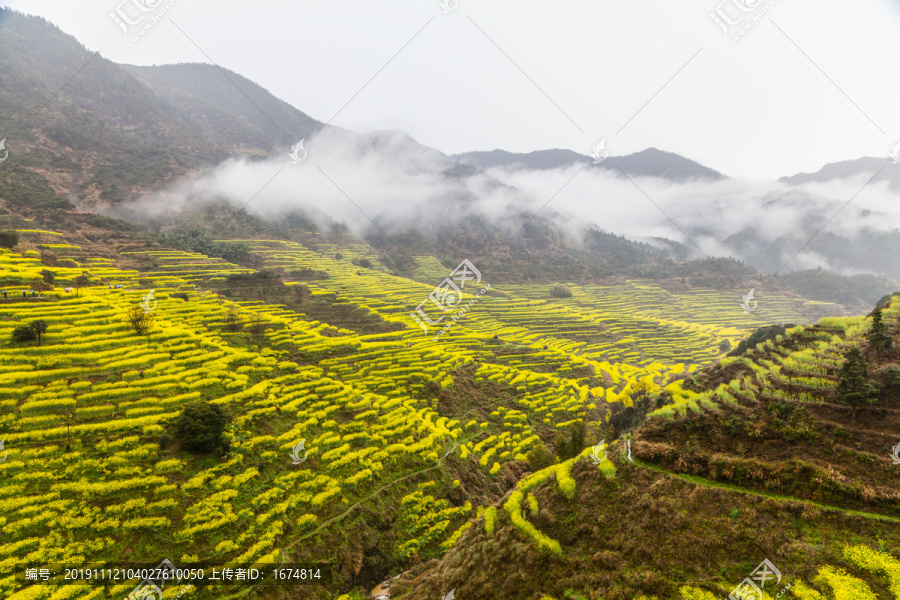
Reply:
x=695 y=479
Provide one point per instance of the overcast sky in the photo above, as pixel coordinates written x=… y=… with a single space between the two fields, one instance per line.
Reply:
x=808 y=83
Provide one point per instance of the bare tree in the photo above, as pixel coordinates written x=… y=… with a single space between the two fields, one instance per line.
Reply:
x=233 y=319
x=257 y=328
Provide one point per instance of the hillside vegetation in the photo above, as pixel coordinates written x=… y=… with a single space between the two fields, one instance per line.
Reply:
x=759 y=457
x=408 y=439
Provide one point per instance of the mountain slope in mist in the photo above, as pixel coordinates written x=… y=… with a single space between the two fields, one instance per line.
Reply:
x=227 y=107
x=646 y=163
x=847 y=169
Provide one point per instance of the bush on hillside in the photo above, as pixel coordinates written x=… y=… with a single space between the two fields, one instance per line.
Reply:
x=200 y=428
x=28 y=333
x=540 y=457
x=8 y=238
x=253 y=276
x=560 y=291
x=23 y=333
x=191 y=239
x=569 y=447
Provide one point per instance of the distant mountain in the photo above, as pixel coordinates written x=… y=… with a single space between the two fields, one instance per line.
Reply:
x=648 y=163
x=115 y=132
x=850 y=168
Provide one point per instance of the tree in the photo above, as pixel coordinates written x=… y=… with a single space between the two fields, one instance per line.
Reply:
x=724 y=346
x=68 y=419
x=49 y=276
x=854 y=387
x=890 y=377
x=200 y=428
x=560 y=291
x=32 y=331
x=233 y=319
x=23 y=333
x=80 y=282
x=139 y=320
x=879 y=339
x=540 y=457
x=640 y=395
x=8 y=238
x=257 y=330
x=39 y=328
x=569 y=448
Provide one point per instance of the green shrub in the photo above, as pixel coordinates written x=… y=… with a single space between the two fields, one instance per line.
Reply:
x=8 y=238
x=29 y=333
x=560 y=291
x=540 y=457
x=23 y=333
x=200 y=428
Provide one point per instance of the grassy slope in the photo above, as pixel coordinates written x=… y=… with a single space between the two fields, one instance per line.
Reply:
x=711 y=494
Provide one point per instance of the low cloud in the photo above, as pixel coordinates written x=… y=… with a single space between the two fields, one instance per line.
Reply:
x=388 y=178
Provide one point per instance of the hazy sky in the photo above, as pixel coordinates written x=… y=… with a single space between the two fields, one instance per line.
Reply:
x=808 y=83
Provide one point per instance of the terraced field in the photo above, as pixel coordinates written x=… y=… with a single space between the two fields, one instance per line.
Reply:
x=90 y=474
